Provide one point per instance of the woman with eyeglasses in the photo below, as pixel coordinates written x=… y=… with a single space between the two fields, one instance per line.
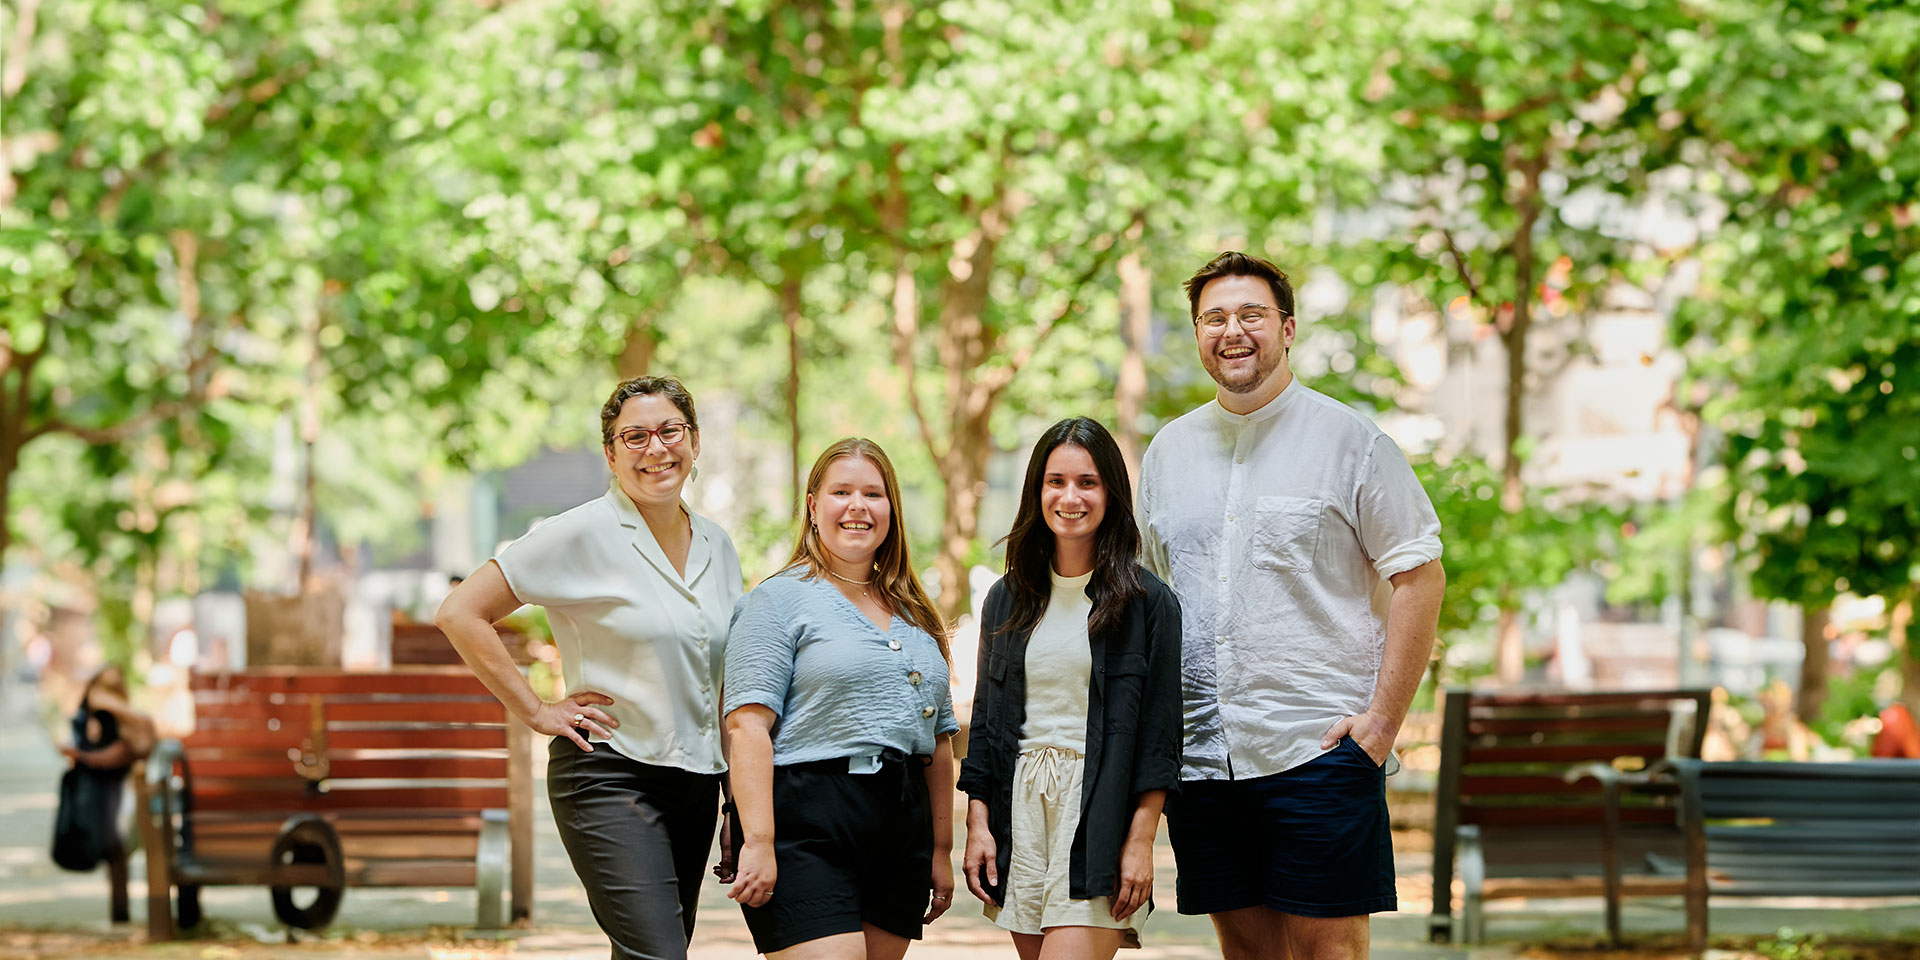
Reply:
x=839 y=717
x=1076 y=718
x=638 y=590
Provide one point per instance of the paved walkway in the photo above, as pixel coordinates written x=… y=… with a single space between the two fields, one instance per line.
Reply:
x=46 y=912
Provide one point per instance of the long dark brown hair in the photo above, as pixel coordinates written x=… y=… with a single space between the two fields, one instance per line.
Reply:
x=893 y=577
x=1116 y=545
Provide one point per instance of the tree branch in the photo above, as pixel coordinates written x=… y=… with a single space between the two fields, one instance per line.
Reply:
x=186 y=262
x=1460 y=265
x=997 y=381
x=906 y=329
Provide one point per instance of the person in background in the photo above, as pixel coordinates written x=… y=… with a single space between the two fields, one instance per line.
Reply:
x=839 y=721
x=1075 y=735
x=638 y=589
x=108 y=735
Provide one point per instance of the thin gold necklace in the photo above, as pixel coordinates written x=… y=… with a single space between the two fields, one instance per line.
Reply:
x=862 y=584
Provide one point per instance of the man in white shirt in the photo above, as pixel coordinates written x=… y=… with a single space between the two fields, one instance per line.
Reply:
x=1275 y=511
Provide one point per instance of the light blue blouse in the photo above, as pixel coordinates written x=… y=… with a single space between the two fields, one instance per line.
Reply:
x=840 y=686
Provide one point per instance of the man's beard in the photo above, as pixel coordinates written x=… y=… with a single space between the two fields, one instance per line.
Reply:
x=1265 y=362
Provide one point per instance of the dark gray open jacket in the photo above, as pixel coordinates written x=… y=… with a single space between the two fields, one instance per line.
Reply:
x=1133 y=730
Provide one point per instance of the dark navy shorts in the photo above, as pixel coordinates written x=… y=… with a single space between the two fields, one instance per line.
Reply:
x=1313 y=841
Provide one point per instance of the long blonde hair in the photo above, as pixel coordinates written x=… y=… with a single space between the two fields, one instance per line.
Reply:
x=893 y=577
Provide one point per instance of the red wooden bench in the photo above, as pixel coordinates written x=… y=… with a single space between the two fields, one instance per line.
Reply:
x=301 y=778
x=1533 y=798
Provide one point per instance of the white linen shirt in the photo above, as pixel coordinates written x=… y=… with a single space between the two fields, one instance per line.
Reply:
x=627 y=625
x=1274 y=528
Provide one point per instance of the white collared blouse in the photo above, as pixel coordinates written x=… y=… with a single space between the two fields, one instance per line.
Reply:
x=1275 y=528
x=629 y=626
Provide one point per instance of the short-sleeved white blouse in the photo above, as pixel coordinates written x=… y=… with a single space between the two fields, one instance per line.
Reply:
x=629 y=626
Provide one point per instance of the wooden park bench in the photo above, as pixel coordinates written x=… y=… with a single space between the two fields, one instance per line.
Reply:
x=300 y=778
x=417 y=644
x=1532 y=800
x=1797 y=830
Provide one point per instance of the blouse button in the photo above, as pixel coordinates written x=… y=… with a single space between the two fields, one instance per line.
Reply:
x=926 y=712
x=893 y=644
x=914 y=678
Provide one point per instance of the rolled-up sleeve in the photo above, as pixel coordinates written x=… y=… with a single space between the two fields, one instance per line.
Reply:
x=1398 y=526
x=760 y=650
x=1157 y=766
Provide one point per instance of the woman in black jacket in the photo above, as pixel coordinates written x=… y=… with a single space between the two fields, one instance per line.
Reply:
x=1076 y=716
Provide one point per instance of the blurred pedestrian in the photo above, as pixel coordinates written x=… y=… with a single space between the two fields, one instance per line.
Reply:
x=839 y=722
x=638 y=590
x=107 y=735
x=1075 y=735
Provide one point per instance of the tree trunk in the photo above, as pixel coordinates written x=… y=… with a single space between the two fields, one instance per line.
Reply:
x=1508 y=652
x=636 y=353
x=1813 y=667
x=1130 y=388
x=790 y=313
x=305 y=529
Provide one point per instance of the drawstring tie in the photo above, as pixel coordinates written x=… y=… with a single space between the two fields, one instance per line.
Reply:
x=1047 y=770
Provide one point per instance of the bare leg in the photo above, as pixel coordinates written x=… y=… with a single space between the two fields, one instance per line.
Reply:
x=1027 y=945
x=1254 y=933
x=117 y=883
x=840 y=946
x=1081 y=943
x=1328 y=938
x=882 y=945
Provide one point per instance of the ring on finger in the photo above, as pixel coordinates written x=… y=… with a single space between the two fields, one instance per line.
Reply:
x=579 y=719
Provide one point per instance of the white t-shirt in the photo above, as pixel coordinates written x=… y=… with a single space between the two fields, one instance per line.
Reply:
x=1059 y=668
x=627 y=625
x=1274 y=528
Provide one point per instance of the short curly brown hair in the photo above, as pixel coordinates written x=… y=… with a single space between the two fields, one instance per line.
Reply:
x=669 y=387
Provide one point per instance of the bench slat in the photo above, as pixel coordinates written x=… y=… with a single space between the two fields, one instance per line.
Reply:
x=1655 y=725
x=423 y=768
x=1561 y=752
x=266 y=681
x=472 y=798
x=1794 y=887
x=1555 y=815
x=440 y=846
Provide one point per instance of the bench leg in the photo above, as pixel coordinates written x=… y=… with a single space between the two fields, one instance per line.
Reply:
x=1610 y=859
x=1473 y=875
x=156 y=836
x=490 y=868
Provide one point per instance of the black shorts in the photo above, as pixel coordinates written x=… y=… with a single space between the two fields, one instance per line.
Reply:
x=849 y=848
x=1313 y=841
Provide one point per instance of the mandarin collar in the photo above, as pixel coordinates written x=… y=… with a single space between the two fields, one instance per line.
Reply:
x=1288 y=396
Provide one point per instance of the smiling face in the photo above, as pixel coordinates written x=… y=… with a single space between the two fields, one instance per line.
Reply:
x=851 y=510
x=1242 y=360
x=1073 y=500
x=654 y=474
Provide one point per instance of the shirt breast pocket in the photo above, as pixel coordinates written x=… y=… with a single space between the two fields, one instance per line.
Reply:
x=1286 y=532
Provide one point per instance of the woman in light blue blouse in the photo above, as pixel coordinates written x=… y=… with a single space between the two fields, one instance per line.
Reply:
x=838 y=717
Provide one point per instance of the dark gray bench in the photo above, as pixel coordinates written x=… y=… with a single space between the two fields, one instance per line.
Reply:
x=1797 y=830
x=1543 y=794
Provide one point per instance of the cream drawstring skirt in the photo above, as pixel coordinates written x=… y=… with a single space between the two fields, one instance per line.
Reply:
x=1046 y=812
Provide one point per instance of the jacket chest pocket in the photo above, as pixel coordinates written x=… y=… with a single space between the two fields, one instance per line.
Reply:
x=1286 y=532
